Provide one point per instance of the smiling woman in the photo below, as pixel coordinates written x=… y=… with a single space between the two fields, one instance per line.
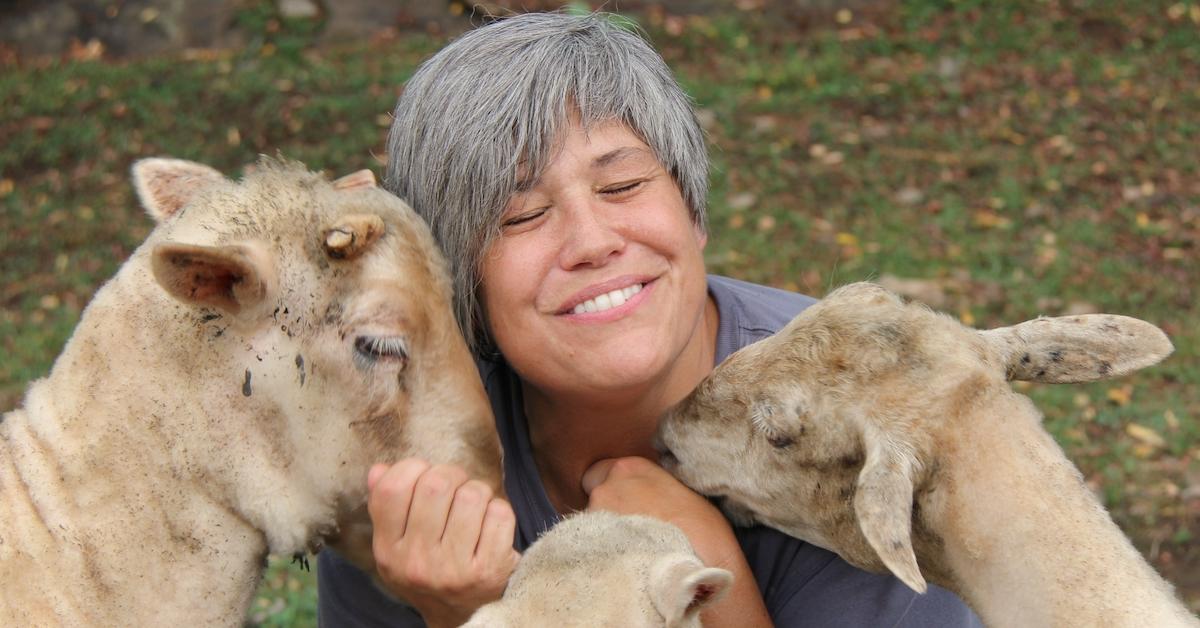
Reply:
x=604 y=217
x=562 y=169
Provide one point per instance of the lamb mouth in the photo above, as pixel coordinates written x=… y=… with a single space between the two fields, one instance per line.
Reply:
x=735 y=511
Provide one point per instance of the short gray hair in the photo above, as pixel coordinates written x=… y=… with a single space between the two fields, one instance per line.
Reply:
x=488 y=109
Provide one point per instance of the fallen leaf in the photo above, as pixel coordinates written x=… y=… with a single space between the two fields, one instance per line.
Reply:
x=1120 y=396
x=1171 y=419
x=1145 y=435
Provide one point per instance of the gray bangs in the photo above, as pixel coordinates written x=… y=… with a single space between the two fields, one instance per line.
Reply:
x=488 y=111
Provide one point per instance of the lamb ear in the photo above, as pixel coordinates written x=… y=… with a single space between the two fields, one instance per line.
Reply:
x=1069 y=349
x=359 y=179
x=234 y=279
x=681 y=585
x=883 y=507
x=164 y=185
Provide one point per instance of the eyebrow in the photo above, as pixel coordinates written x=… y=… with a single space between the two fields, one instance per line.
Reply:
x=625 y=152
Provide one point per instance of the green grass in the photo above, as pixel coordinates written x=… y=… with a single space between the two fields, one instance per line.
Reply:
x=1046 y=151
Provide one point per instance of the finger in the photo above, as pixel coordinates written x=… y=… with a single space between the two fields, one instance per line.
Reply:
x=391 y=496
x=496 y=537
x=374 y=473
x=432 y=496
x=597 y=474
x=465 y=521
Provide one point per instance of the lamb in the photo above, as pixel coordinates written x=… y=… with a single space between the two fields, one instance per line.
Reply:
x=888 y=434
x=603 y=569
x=224 y=395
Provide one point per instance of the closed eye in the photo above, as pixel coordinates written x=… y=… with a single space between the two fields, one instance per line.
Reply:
x=621 y=188
x=523 y=218
x=370 y=351
x=761 y=413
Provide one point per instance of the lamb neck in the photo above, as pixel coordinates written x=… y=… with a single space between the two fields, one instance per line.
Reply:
x=1026 y=542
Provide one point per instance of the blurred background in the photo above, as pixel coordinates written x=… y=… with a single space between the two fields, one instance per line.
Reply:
x=996 y=160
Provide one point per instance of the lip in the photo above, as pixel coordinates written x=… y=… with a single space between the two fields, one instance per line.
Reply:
x=604 y=287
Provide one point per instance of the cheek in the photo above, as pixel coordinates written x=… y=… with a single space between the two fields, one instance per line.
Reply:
x=503 y=281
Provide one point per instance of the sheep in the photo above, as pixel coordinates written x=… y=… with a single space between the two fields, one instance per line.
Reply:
x=602 y=569
x=888 y=433
x=224 y=395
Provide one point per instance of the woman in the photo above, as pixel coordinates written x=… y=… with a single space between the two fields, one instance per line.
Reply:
x=562 y=169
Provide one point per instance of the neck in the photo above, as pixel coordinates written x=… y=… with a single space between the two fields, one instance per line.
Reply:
x=1026 y=543
x=571 y=430
x=120 y=500
x=110 y=549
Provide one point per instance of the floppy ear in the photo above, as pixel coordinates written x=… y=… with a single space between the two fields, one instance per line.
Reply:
x=164 y=185
x=235 y=279
x=680 y=585
x=1069 y=349
x=883 y=507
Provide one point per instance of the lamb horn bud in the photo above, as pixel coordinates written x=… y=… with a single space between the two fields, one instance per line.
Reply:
x=352 y=235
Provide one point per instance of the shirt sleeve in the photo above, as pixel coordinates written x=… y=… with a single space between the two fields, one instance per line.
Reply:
x=347 y=598
x=804 y=585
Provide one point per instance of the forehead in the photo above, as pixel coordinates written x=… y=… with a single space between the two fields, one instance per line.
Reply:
x=593 y=147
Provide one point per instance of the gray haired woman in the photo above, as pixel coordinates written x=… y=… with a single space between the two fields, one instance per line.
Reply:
x=562 y=169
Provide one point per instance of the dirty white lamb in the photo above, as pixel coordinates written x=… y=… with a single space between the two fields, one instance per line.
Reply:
x=224 y=395
x=889 y=434
x=598 y=569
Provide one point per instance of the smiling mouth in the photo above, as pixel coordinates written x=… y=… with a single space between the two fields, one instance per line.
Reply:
x=608 y=300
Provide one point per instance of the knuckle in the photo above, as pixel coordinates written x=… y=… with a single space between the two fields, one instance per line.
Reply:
x=442 y=478
x=601 y=494
x=473 y=492
x=630 y=466
x=433 y=482
x=411 y=466
x=500 y=511
x=389 y=489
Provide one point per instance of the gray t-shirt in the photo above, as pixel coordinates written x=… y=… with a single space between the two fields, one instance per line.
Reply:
x=801 y=584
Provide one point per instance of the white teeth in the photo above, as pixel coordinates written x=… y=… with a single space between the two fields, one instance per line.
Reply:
x=608 y=300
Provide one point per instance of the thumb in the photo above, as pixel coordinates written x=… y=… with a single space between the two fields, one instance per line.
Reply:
x=596 y=475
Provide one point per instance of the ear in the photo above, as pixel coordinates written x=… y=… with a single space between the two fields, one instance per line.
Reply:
x=164 y=185
x=1071 y=349
x=235 y=279
x=361 y=179
x=883 y=507
x=681 y=585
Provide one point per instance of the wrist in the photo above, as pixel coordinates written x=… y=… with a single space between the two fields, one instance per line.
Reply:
x=445 y=618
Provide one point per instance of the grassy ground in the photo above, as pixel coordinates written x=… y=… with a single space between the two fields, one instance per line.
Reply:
x=1017 y=159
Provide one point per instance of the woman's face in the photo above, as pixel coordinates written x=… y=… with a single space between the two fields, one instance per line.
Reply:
x=597 y=282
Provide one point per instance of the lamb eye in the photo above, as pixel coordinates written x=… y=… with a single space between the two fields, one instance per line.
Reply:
x=370 y=350
x=780 y=441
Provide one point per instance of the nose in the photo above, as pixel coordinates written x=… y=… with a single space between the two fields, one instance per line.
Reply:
x=592 y=238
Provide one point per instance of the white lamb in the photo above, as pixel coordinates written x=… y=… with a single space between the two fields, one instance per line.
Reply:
x=224 y=395
x=599 y=569
x=889 y=434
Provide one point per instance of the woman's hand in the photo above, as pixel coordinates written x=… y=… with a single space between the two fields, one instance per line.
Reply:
x=637 y=486
x=441 y=541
